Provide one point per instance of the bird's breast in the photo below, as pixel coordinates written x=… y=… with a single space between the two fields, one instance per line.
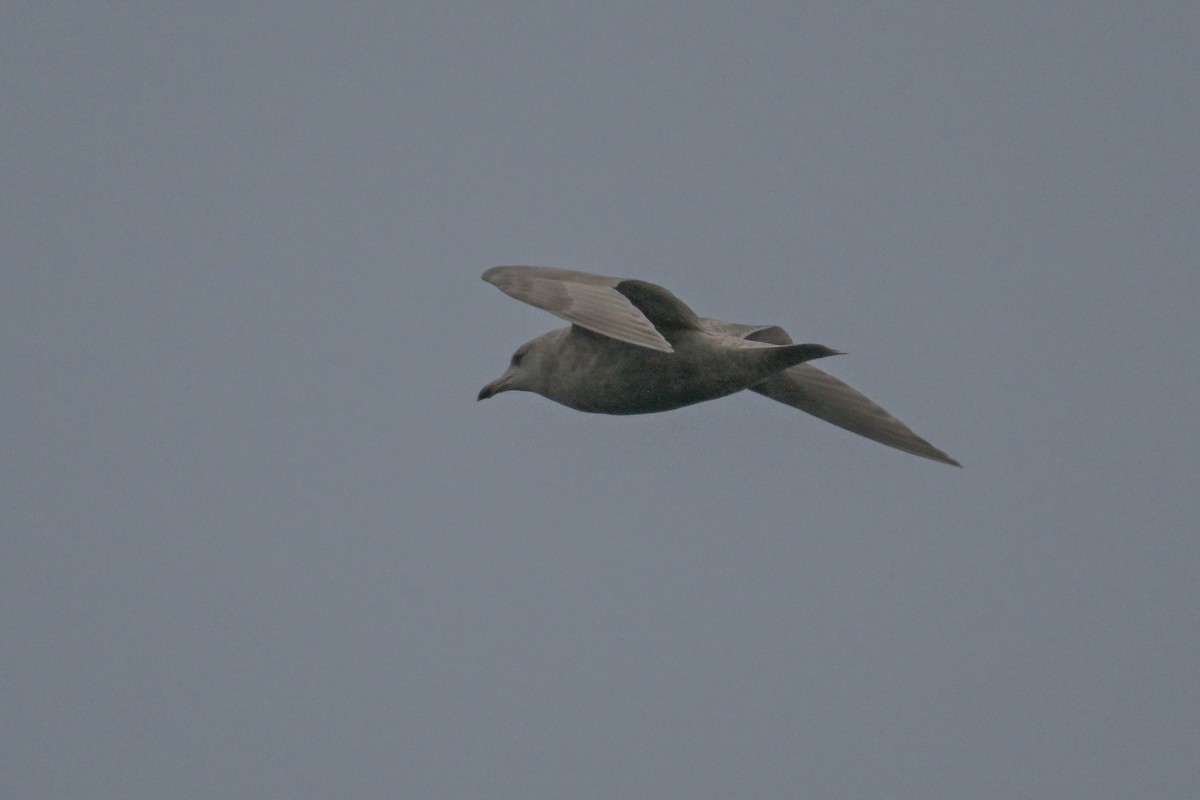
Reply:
x=600 y=375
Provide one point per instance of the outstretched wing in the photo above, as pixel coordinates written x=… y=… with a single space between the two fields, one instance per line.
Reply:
x=629 y=311
x=809 y=389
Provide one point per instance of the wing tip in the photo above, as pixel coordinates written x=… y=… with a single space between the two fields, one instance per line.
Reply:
x=942 y=458
x=490 y=275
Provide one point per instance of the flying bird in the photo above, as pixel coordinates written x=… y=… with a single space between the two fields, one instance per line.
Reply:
x=635 y=348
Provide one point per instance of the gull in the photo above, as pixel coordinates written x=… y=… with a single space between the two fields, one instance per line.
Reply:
x=634 y=348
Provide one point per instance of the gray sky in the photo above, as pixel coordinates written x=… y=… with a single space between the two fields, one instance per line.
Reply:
x=261 y=541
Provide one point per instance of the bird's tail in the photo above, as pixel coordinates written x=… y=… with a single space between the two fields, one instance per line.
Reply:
x=789 y=355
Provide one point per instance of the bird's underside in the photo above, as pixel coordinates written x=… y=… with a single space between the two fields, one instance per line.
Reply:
x=605 y=376
x=633 y=347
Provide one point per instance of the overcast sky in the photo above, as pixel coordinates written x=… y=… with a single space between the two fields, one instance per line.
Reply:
x=260 y=540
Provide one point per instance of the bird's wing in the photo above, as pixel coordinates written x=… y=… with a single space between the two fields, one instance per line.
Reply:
x=809 y=389
x=630 y=311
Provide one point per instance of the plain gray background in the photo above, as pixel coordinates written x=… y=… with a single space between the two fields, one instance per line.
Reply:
x=259 y=540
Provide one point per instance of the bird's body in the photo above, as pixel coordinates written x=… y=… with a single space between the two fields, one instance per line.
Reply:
x=635 y=348
x=606 y=376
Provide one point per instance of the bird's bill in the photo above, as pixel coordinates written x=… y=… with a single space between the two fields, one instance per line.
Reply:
x=495 y=387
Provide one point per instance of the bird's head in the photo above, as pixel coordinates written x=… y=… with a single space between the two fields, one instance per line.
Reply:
x=523 y=374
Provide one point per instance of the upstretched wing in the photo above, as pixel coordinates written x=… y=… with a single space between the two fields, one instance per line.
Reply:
x=629 y=311
x=809 y=389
